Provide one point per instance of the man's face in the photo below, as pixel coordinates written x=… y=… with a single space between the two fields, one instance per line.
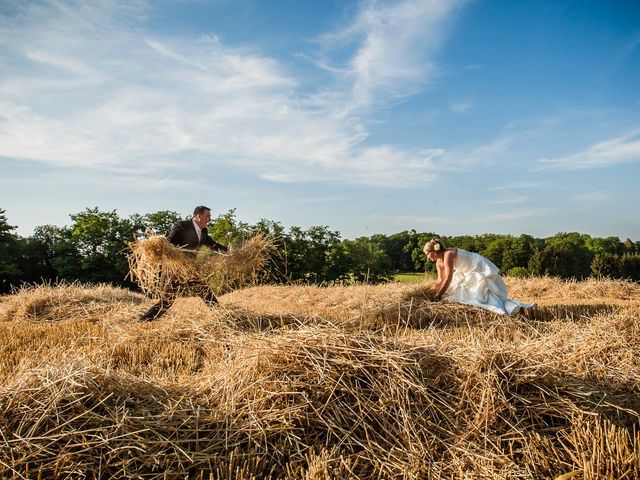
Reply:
x=203 y=219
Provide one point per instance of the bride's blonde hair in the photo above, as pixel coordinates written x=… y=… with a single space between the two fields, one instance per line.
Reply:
x=434 y=245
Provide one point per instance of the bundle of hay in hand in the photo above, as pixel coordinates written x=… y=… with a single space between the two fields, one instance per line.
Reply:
x=161 y=268
x=237 y=268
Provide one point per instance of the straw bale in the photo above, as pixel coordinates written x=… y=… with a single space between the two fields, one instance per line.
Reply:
x=162 y=269
x=531 y=288
x=54 y=303
x=238 y=268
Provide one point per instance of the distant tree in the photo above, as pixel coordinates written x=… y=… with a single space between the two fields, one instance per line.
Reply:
x=61 y=251
x=495 y=249
x=630 y=247
x=269 y=228
x=564 y=255
x=630 y=267
x=35 y=261
x=466 y=242
x=398 y=247
x=101 y=239
x=519 y=252
x=609 y=245
x=339 y=264
x=10 y=271
x=369 y=262
x=276 y=266
x=158 y=223
x=228 y=230
x=519 y=272
x=605 y=264
x=312 y=255
x=508 y=252
x=94 y=249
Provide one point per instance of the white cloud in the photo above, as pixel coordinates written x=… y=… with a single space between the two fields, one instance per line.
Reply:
x=420 y=221
x=518 y=186
x=596 y=196
x=519 y=213
x=460 y=107
x=396 y=43
x=510 y=200
x=86 y=85
x=608 y=153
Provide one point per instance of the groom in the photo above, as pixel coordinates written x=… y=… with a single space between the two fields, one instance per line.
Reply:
x=191 y=234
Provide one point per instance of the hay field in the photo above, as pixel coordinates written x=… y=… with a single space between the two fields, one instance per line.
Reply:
x=305 y=382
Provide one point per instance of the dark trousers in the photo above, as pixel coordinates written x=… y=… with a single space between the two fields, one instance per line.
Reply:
x=171 y=292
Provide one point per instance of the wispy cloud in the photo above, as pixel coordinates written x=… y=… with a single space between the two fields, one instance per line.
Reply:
x=460 y=107
x=596 y=196
x=510 y=200
x=608 y=153
x=519 y=213
x=415 y=220
x=518 y=186
x=394 y=48
x=86 y=84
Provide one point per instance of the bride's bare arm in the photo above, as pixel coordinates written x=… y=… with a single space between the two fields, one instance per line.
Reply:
x=445 y=274
x=440 y=276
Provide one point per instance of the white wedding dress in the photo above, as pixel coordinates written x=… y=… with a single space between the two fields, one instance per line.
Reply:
x=476 y=281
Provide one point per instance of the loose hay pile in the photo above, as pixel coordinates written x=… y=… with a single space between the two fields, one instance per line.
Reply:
x=161 y=268
x=385 y=384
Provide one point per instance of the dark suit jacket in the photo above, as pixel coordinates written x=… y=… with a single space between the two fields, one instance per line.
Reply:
x=183 y=234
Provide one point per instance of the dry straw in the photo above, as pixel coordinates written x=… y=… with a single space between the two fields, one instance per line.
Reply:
x=161 y=268
x=384 y=383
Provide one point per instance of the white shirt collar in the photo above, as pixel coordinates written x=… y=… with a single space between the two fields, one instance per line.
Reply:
x=198 y=229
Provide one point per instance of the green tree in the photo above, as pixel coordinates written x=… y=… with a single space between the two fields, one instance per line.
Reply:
x=508 y=252
x=60 y=250
x=101 y=239
x=10 y=272
x=494 y=250
x=605 y=264
x=311 y=255
x=369 y=262
x=609 y=245
x=629 y=247
x=520 y=251
x=630 y=267
x=228 y=230
x=398 y=247
x=564 y=255
x=158 y=223
x=276 y=267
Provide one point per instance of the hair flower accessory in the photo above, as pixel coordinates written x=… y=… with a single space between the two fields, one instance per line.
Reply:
x=437 y=246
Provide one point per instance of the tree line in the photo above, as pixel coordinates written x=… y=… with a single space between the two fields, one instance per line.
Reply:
x=94 y=248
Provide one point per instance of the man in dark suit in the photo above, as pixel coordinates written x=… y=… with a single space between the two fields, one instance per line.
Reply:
x=190 y=234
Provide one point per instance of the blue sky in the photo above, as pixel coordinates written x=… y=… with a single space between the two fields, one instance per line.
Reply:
x=458 y=117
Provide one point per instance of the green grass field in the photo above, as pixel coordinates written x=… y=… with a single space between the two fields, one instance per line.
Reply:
x=412 y=277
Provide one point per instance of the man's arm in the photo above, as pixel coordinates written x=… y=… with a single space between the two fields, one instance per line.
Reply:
x=211 y=243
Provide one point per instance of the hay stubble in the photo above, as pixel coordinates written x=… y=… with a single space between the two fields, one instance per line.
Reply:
x=318 y=383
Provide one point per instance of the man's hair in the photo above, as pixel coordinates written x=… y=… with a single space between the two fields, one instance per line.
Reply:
x=199 y=209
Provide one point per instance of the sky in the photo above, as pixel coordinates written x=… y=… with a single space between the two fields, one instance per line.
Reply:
x=448 y=116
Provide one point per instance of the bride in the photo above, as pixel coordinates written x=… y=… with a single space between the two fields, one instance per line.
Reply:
x=470 y=278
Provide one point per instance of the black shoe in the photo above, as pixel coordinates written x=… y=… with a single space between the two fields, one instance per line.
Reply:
x=212 y=304
x=211 y=300
x=154 y=312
